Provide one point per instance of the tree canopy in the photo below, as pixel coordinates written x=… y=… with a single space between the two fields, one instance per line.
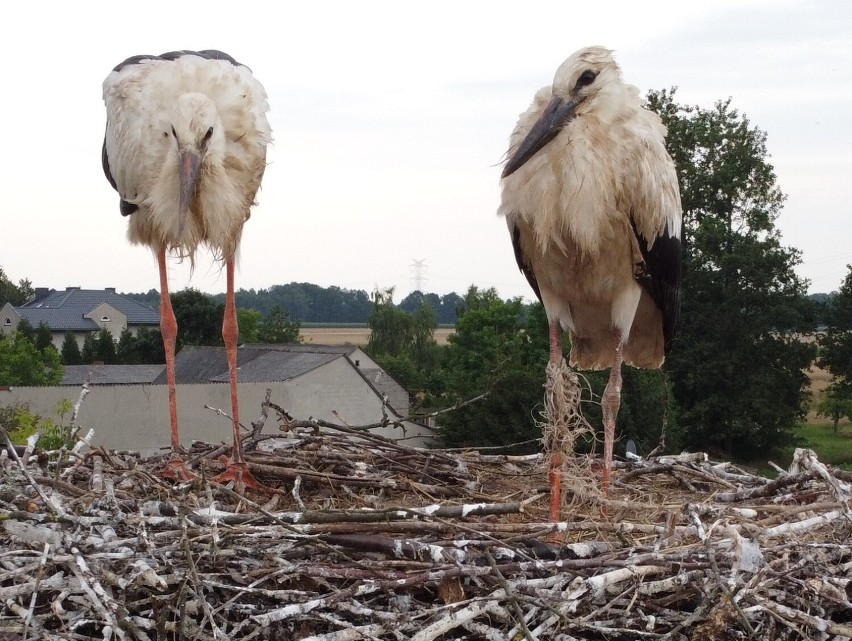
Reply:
x=835 y=346
x=12 y=293
x=737 y=367
x=22 y=363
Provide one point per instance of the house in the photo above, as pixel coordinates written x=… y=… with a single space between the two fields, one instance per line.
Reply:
x=81 y=312
x=128 y=404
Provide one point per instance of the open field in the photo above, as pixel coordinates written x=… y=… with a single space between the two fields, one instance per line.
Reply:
x=354 y=335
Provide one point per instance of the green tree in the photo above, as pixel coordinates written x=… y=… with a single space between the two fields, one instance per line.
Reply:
x=835 y=349
x=424 y=348
x=391 y=328
x=497 y=347
x=738 y=366
x=404 y=344
x=22 y=364
x=87 y=354
x=835 y=344
x=26 y=330
x=70 y=351
x=105 y=347
x=126 y=352
x=278 y=328
x=503 y=347
x=148 y=346
x=14 y=294
x=43 y=336
x=836 y=403
x=199 y=318
x=249 y=323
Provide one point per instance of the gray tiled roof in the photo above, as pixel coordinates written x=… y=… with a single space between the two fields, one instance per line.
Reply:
x=111 y=374
x=256 y=363
x=64 y=310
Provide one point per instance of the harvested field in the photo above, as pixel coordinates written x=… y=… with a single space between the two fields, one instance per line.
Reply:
x=363 y=538
x=354 y=335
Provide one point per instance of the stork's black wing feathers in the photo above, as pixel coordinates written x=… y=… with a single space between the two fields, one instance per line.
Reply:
x=524 y=266
x=125 y=207
x=659 y=274
x=209 y=54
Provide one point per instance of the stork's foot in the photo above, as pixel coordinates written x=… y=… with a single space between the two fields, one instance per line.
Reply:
x=238 y=472
x=177 y=470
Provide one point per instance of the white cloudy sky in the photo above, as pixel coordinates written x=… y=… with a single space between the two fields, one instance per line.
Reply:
x=390 y=120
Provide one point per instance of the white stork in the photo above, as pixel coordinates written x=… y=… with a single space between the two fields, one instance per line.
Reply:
x=591 y=199
x=185 y=148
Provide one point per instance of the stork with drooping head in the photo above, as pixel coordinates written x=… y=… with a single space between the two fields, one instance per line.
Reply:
x=185 y=147
x=591 y=199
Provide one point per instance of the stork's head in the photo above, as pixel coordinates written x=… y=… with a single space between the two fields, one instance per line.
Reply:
x=582 y=84
x=197 y=133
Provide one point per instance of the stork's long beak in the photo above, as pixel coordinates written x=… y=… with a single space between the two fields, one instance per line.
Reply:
x=190 y=164
x=556 y=115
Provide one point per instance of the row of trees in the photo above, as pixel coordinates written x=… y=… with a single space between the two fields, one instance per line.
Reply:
x=309 y=303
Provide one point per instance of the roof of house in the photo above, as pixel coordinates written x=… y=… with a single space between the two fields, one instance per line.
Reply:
x=111 y=374
x=65 y=310
x=257 y=364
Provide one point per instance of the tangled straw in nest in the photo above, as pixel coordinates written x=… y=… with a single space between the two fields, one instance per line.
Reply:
x=563 y=425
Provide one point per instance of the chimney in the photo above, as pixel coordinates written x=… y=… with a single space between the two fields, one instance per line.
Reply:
x=110 y=290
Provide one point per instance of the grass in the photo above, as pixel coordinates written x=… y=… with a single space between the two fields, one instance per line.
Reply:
x=833 y=449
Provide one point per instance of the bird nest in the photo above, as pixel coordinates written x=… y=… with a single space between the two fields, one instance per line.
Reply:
x=363 y=538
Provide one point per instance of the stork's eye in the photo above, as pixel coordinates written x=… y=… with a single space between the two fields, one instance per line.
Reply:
x=208 y=135
x=586 y=78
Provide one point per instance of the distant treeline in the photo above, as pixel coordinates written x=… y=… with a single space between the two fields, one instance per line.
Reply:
x=309 y=303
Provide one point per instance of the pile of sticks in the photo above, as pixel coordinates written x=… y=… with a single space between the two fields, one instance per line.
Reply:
x=363 y=538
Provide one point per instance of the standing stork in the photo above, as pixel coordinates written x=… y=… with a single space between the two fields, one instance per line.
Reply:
x=591 y=199
x=185 y=148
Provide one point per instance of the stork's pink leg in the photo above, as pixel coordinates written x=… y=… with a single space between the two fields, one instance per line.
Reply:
x=237 y=469
x=611 y=402
x=555 y=477
x=175 y=468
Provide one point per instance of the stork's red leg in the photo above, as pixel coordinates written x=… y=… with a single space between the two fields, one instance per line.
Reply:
x=237 y=469
x=555 y=477
x=175 y=468
x=611 y=402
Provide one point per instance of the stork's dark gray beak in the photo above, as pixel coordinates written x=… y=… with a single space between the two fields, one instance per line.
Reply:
x=190 y=165
x=556 y=115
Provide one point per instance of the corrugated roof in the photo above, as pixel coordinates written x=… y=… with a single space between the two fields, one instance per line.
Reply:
x=256 y=363
x=111 y=374
x=65 y=310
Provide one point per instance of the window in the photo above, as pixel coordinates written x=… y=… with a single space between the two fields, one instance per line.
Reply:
x=104 y=319
x=7 y=322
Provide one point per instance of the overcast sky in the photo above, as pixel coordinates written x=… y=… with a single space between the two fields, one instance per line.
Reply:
x=390 y=120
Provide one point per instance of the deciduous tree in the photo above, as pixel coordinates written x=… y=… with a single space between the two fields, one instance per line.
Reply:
x=14 y=294
x=278 y=328
x=738 y=365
